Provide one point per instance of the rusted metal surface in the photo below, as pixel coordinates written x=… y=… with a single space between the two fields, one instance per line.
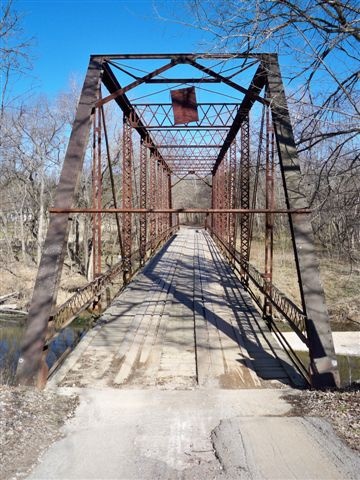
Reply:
x=143 y=199
x=232 y=217
x=184 y=105
x=97 y=192
x=127 y=191
x=245 y=190
x=304 y=211
x=269 y=217
x=152 y=193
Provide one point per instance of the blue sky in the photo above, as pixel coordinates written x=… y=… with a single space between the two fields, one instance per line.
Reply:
x=66 y=32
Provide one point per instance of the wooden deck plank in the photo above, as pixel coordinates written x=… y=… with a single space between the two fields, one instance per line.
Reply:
x=184 y=321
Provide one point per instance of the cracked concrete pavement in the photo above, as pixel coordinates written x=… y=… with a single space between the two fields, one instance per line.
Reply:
x=193 y=434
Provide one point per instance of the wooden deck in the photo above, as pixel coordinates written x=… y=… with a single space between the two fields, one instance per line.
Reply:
x=184 y=322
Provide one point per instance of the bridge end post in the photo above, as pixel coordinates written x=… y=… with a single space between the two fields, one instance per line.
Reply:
x=323 y=364
x=31 y=368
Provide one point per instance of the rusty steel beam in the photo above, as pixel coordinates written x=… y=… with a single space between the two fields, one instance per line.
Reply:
x=32 y=368
x=127 y=191
x=257 y=84
x=97 y=192
x=324 y=370
x=159 y=199
x=152 y=191
x=226 y=197
x=177 y=56
x=245 y=192
x=169 y=203
x=269 y=217
x=119 y=92
x=143 y=190
x=232 y=219
x=182 y=80
x=300 y=211
x=252 y=94
x=112 y=85
x=112 y=182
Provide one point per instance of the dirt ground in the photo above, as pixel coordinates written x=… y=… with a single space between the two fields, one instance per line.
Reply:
x=340 y=407
x=30 y=421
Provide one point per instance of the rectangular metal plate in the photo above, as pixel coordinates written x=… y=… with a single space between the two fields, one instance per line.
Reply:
x=184 y=105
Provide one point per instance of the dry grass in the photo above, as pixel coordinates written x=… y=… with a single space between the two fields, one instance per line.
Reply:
x=17 y=277
x=340 y=280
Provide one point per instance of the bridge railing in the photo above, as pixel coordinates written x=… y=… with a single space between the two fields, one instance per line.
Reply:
x=287 y=309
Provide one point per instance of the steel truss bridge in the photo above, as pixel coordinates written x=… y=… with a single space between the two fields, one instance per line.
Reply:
x=167 y=142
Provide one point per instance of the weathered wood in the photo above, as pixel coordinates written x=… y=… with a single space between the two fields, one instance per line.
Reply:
x=183 y=321
x=3 y=298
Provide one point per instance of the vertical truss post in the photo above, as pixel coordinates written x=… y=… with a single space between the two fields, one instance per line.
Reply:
x=226 y=197
x=232 y=219
x=97 y=192
x=162 y=198
x=323 y=363
x=245 y=193
x=152 y=195
x=158 y=197
x=165 y=201
x=94 y=200
x=213 y=188
x=169 y=197
x=112 y=182
x=269 y=217
x=127 y=191
x=221 y=194
x=32 y=368
x=217 y=215
x=217 y=204
x=143 y=185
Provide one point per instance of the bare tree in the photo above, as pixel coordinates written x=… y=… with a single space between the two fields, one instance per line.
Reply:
x=318 y=42
x=14 y=52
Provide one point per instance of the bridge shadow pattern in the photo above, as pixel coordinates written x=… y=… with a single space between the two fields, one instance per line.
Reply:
x=184 y=322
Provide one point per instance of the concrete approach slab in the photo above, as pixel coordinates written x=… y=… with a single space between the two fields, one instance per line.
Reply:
x=193 y=434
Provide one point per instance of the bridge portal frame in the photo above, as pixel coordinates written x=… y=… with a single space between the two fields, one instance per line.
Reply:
x=32 y=368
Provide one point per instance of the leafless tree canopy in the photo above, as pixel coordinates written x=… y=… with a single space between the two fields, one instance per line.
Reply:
x=318 y=43
x=14 y=50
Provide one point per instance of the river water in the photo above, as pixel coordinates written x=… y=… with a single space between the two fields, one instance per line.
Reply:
x=12 y=329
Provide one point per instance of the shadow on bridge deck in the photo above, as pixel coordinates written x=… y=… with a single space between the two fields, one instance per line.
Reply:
x=184 y=321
